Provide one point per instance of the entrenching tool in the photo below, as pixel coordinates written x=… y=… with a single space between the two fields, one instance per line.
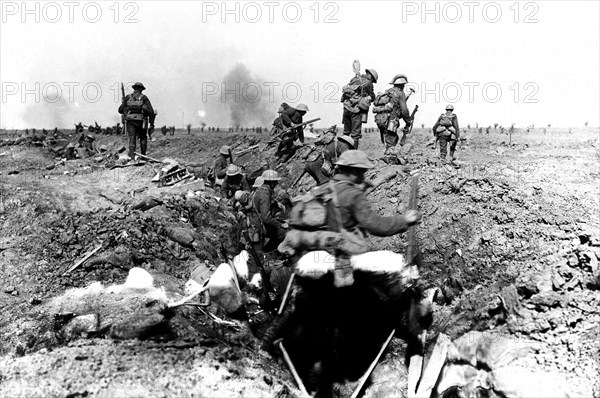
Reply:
x=290 y=364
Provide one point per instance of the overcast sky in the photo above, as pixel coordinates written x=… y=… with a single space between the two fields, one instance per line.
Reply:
x=505 y=62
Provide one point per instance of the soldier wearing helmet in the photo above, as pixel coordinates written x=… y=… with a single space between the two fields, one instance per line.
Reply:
x=136 y=108
x=357 y=98
x=446 y=131
x=389 y=108
x=267 y=231
x=219 y=170
x=234 y=181
x=289 y=117
x=322 y=168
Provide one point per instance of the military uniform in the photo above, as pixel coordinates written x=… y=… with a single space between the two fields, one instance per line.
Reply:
x=220 y=167
x=396 y=110
x=353 y=113
x=261 y=218
x=231 y=184
x=447 y=134
x=136 y=107
x=288 y=117
x=330 y=155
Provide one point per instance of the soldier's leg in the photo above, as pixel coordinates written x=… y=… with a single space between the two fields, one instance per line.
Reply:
x=356 y=132
x=443 y=146
x=131 y=133
x=391 y=139
x=143 y=140
x=347 y=122
x=314 y=170
x=452 y=149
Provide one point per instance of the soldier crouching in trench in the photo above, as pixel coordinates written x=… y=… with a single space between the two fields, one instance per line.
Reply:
x=334 y=325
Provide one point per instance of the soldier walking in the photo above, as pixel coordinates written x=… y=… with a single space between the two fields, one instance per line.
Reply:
x=357 y=98
x=136 y=107
x=389 y=108
x=446 y=131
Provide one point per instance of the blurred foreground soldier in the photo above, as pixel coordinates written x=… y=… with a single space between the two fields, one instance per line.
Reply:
x=136 y=107
x=446 y=131
x=265 y=231
x=357 y=98
x=288 y=118
x=321 y=170
x=389 y=108
x=234 y=181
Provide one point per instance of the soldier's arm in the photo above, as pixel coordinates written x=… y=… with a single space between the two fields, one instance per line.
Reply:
x=455 y=125
x=404 y=113
x=285 y=118
x=370 y=91
x=123 y=104
x=375 y=224
x=149 y=109
x=435 y=126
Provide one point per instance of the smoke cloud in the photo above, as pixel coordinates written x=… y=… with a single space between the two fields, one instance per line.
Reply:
x=248 y=103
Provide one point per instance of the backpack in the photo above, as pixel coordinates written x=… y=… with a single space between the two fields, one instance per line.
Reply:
x=134 y=108
x=381 y=99
x=308 y=220
x=446 y=120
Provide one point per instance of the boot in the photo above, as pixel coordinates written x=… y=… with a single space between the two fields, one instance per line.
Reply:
x=132 y=152
x=143 y=146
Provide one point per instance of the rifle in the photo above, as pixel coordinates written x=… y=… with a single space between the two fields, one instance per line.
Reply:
x=245 y=151
x=412 y=123
x=298 y=179
x=289 y=129
x=266 y=282
x=123 y=119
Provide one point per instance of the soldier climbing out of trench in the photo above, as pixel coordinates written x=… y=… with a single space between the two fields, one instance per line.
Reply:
x=357 y=97
x=446 y=131
x=137 y=107
x=315 y=314
x=289 y=117
x=321 y=169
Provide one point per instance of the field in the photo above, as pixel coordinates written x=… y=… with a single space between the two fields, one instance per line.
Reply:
x=511 y=238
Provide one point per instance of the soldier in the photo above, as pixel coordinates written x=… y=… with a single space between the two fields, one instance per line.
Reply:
x=446 y=131
x=118 y=129
x=234 y=181
x=389 y=108
x=264 y=226
x=322 y=168
x=354 y=212
x=136 y=107
x=163 y=130
x=289 y=117
x=189 y=128
x=357 y=98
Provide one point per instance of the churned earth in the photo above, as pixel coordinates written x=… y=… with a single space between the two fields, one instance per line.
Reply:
x=511 y=238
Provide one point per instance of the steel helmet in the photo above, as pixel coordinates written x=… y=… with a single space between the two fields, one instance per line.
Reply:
x=233 y=170
x=355 y=158
x=270 y=175
x=449 y=107
x=347 y=139
x=138 y=84
x=302 y=107
x=374 y=74
x=399 y=79
x=258 y=182
x=224 y=150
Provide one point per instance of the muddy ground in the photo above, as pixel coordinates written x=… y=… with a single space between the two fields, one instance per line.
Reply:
x=512 y=239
